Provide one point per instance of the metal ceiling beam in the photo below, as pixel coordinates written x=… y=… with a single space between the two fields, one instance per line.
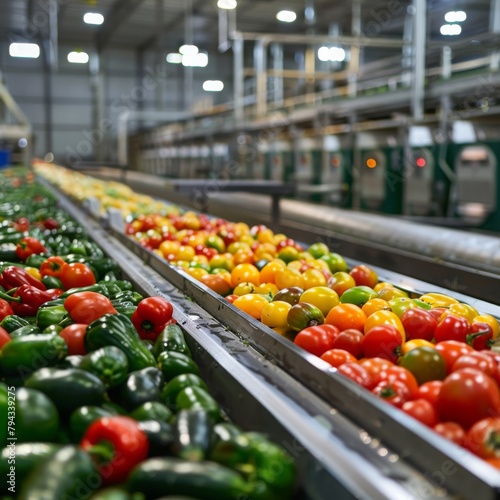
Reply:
x=119 y=12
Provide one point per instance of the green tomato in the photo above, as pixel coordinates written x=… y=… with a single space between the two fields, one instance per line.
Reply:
x=426 y=363
x=400 y=304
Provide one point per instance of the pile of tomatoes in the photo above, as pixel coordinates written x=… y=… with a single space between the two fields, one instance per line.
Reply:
x=430 y=355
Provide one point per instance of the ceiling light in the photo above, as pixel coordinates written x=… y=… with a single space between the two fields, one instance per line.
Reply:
x=213 y=86
x=286 y=16
x=30 y=50
x=324 y=54
x=93 y=18
x=227 y=4
x=450 y=29
x=174 y=58
x=455 y=16
x=78 y=57
x=188 y=50
x=337 y=54
x=195 y=60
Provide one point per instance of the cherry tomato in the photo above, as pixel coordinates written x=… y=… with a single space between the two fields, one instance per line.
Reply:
x=480 y=335
x=467 y=396
x=384 y=318
x=252 y=304
x=383 y=341
x=437 y=313
x=291 y=295
x=288 y=277
x=399 y=305
x=268 y=272
x=345 y=316
x=418 y=324
x=337 y=357
x=477 y=360
x=374 y=305
x=322 y=297
x=275 y=314
x=340 y=282
x=402 y=374
x=452 y=327
x=74 y=336
x=364 y=275
x=451 y=350
x=490 y=320
x=430 y=391
x=421 y=410
x=394 y=392
x=413 y=344
x=76 y=275
x=350 y=340
x=483 y=438
x=452 y=431
x=216 y=283
x=231 y=298
x=245 y=272
x=357 y=373
x=316 y=339
x=425 y=363
x=375 y=365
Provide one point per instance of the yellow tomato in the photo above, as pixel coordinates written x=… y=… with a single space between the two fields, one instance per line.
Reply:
x=295 y=264
x=322 y=297
x=185 y=252
x=168 y=247
x=274 y=314
x=267 y=289
x=265 y=236
x=413 y=344
x=247 y=238
x=464 y=310
x=265 y=249
x=268 y=272
x=196 y=272
x=288 y=277
x=240 y=228
x=313 y=278
x=490 y=320
x=245 y=272
x=390 y=293
x=200 y=259
x=252 y=304
x=384 y=318
x=279 y=237
x=243 y=256
x=382 y=284
x=237 y=245
x=374 y=305
x=438 y=300
x=244 y=288
x=340 y=282
x=222 y=261
x=320 y=264
x=288 y=254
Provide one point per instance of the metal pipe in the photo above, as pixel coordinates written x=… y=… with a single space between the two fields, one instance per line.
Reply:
x=355 y=49
x=238 y=65
x=419 y=42
x=260 y=61
x=277 y=53
x=53 y=34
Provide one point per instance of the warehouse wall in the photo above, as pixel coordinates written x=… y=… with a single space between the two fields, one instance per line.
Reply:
x=75 y=132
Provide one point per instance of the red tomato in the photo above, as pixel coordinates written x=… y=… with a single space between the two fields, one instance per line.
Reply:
x=477 y=360
x=467 y=396
x=483 y=438
x=350 y=340
x=4 y=337
x=383 y=341
x=394 y=392
x=430 y=391
x=364 y=275
x=479 y=336
x=495 y=356
x=375 y=365
x=52 y=266
x=418 y=324
x=403 y=375
x=74 y=336
x=452 y=328
x=357 y=373
x=437 y=313
x=421 y=410
x=231 y=298
x=337 y=357
x=316 y=339
x=451 y=350
x=76 y=275
x=451 y=431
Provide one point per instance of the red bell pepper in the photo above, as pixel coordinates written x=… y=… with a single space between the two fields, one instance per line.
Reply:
x=13 y=277
x=151 y=316
x=29 y=246
x=52 y=266
x=117 y=444
x=4 y=337
x=5 y=309
x=85 y=307
x=27 y=299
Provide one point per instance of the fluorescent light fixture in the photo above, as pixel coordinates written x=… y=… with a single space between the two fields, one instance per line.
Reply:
x=78 y=57
x=174 y=58
x=337 y=54
x=324 y=54
x=213 y=86
x=455 y=16
x=450 y=29
x=195 y=60
x=286 y=16
x=188 y=50
x=227 y=4
x=93 y=18
x=29 y=50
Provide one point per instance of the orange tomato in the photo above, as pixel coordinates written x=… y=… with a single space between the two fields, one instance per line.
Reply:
x=340 y=282
x=374 y=305
x=288 y=277
x=216 y=283
x=345 y=316
x=252 y=304
x=268 y=272
x=245 y=272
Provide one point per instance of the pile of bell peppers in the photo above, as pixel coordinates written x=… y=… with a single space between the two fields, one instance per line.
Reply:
x=106 y=398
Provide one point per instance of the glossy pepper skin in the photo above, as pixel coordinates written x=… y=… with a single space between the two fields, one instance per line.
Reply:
x=5 y=309
x=27 y=299
x=129 y=446
x=13 y=277
x=151 y=316
x=86 y=307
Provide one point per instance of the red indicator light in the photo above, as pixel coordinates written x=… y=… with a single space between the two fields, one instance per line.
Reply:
x=421 y=163
x=371 y=163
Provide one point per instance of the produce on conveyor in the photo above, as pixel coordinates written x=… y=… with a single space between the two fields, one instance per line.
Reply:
x=429 y=355
x=99 y=393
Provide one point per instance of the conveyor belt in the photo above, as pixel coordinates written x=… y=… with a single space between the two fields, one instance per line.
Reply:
x=462 y=261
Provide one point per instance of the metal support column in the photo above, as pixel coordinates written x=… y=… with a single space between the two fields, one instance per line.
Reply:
x=260 y=61
x=238 y=67
x=419 y=43
x=99 y=124
x=188 y=70
x=495 y=28
x=355 y=49
x=160 y=55
x=277 y=54
x=446 y=56
x=356 y=164
x=407 y=59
